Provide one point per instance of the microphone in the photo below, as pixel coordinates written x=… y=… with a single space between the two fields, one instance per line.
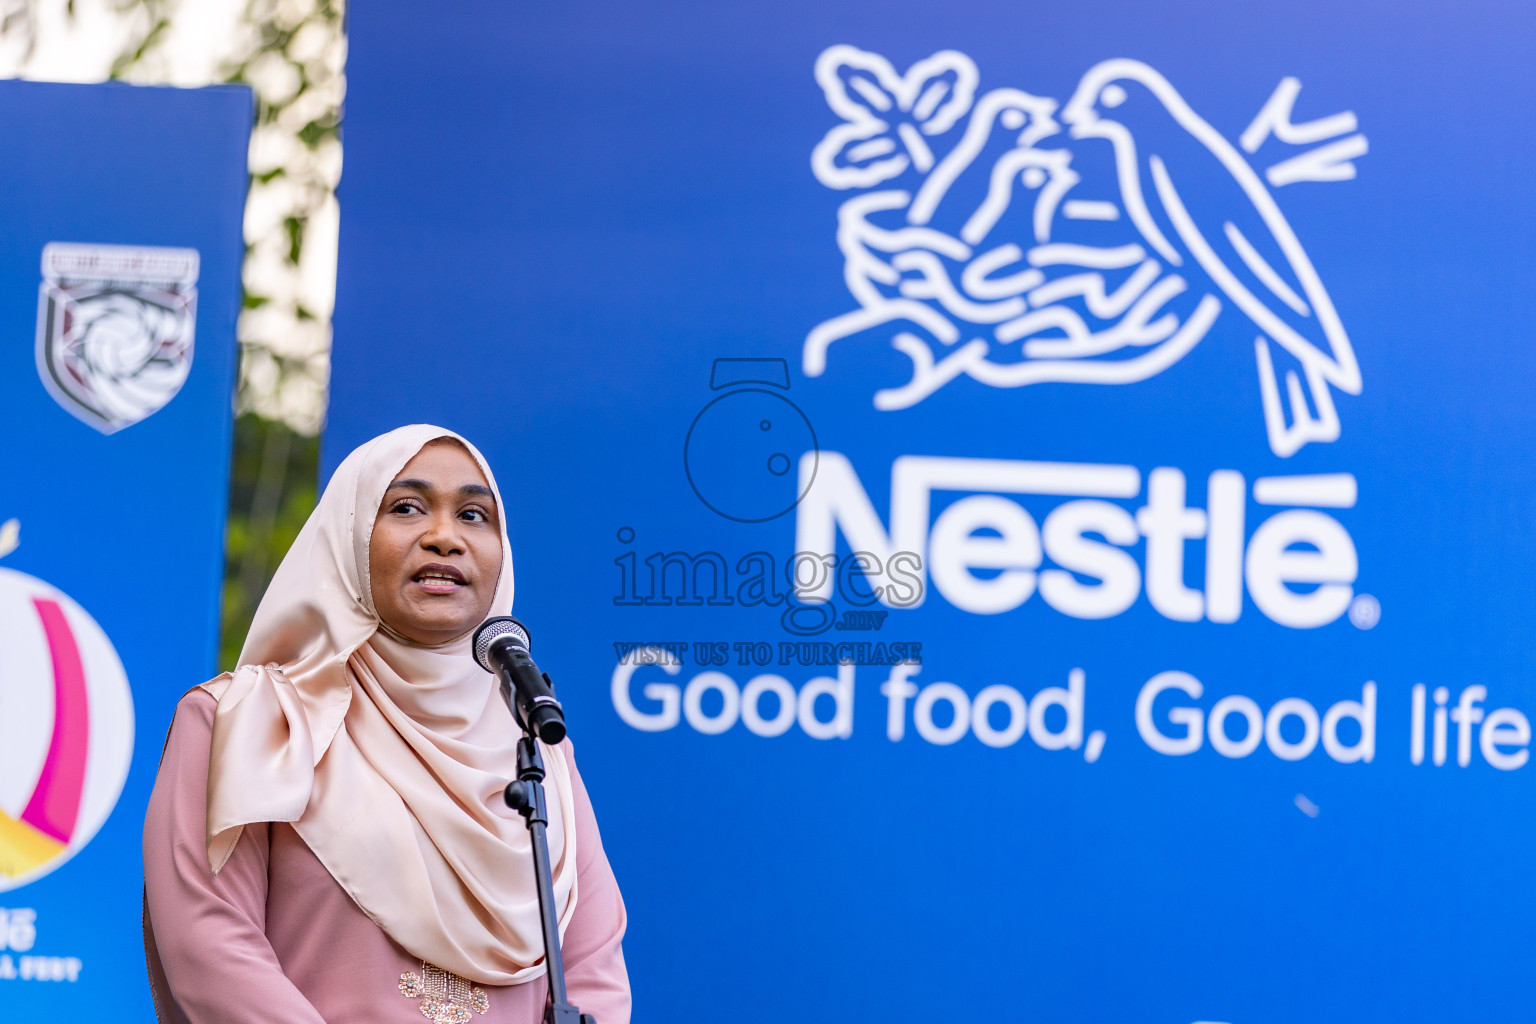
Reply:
x=501 y=648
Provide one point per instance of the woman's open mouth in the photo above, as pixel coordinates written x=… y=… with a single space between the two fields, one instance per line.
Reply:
x=439 y=579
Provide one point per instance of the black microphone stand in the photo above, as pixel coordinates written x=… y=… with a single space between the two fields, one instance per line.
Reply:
x=526 y=796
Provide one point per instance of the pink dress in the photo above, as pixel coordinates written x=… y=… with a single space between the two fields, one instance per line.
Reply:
x=273 y=938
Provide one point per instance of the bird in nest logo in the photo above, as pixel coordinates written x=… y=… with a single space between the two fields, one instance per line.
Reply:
x=1015 y=240
x=66 y=730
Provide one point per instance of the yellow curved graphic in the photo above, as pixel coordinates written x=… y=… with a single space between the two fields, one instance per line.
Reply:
x=23 y=848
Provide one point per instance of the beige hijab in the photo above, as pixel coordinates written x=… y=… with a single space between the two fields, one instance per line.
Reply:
x=388 y=757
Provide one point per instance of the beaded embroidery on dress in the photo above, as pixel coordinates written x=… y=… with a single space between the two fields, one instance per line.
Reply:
x=445 y=997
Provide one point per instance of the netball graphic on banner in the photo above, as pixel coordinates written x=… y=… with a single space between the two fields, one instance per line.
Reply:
x=66 y=746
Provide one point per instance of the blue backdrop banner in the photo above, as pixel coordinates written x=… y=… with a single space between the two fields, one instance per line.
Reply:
x=1028 y=507
x=119 y=287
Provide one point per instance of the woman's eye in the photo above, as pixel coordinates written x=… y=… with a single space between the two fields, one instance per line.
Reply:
x=474 y=515
x=405 y=507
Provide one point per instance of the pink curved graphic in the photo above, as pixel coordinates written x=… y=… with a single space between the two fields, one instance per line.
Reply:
x=55 y=804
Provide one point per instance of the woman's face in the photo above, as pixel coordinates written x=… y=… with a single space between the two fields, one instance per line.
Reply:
x=435 y=555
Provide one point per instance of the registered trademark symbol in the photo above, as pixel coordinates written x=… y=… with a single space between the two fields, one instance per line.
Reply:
x=1364 y=611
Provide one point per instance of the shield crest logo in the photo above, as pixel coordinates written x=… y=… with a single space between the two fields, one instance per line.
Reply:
x=115 y=326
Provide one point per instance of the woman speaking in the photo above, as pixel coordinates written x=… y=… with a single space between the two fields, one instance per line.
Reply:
x=327 y=841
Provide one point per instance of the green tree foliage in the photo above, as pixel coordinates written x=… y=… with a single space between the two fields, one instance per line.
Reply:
x=272 y=491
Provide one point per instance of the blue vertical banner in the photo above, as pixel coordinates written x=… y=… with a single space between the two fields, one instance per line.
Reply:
x=119 y=289
x=1028 y=508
